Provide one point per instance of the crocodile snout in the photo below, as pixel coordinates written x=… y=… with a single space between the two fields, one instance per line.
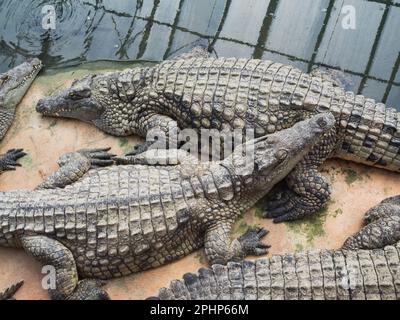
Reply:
x=41 y=106
x=325 y=120
x=322 y=122
x=46 y=107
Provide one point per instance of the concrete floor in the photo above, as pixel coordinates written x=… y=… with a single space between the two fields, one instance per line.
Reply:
x=356 y=188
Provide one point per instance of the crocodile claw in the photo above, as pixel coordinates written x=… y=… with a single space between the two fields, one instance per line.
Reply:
x=99 y=157
x=8 y=161
x=251 y=241
x=288 y=206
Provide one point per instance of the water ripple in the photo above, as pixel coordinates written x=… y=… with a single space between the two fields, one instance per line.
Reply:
x=25 y=36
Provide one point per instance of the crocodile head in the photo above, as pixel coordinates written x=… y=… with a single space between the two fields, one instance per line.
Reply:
x=265 y=161
x=13 y=86
x=94 y=99
x=76 y=102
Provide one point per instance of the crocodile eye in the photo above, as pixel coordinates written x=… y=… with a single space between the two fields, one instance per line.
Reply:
x=72 y=95
x=79 y=94
x=282 y=154
x=4 y=79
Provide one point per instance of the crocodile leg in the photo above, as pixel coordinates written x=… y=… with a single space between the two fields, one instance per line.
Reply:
x=156 y=129
x=75 y=165
x=382 y=227
x=307 y=189
x=220 y=249
x=387 y=207
x=8 y=161
x=159 y=157
x=51 y=252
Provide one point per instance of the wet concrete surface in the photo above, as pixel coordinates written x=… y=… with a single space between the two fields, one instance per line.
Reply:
x=356 y=188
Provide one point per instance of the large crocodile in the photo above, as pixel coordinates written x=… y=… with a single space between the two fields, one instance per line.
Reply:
x=13 y=86
x=367 y=267
x=110 y=222
x=197 y=91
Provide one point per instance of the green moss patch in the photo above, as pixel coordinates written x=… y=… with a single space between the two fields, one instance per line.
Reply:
x=298 y=247
x=386 y=191
x=351 y=176
x=311 y=227
x=26 y=162
x=124 y=144
x=259 y=211
x=337 y=212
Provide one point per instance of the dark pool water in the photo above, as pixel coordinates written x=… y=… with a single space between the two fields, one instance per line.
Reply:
x=359 y=37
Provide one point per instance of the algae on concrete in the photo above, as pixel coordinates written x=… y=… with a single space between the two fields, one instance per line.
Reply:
x=312 y=227
x=351 y=176
x=124 y=144
x=27 y=161
x=298 y=247
x=259 y=211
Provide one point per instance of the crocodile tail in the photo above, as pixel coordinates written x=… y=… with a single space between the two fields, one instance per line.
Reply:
x=200 y=286
x=313 y=275
x=370 y=131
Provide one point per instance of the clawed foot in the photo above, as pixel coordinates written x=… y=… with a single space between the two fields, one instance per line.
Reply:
x=90 y=289
x=8 y=161
x=289 y=206
x=251 y=242
x=9 y=293
x=98 y=157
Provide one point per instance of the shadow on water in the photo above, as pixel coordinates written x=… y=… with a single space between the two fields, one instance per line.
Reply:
x=358 y=37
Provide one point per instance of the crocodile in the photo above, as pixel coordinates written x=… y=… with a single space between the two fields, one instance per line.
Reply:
x=366 y=267
x=201 y=92
x=13 y=86
x=105 y=222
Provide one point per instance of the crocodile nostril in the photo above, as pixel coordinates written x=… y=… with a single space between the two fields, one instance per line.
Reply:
x=322 y=122
x=40 y=107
